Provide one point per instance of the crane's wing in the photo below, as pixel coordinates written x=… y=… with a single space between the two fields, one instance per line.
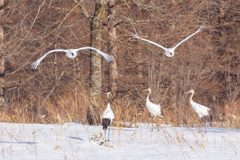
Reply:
x=106 y=56
x=108 y=114
x=200 y=108
x=199 y=30
x=199 y=105
x=154 y=109
x=36 y=64
x=135 y=36
x=203 y=107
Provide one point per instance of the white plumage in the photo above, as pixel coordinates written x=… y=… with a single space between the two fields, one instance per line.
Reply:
x=201 y=110
x=108 y=113
x=72 y=53
x=154 y=109
x=169 y=52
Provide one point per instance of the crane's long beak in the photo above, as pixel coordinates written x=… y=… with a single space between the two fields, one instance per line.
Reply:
x=187 y=92
x=145 y=90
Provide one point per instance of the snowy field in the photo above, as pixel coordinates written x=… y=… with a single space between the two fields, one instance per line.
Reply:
x=73 y=141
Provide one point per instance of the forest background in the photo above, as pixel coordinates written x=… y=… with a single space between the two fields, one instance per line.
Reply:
x=58 y=90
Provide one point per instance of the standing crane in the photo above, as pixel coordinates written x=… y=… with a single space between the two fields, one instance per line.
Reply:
x=154 y=109
x=201 y=110
x=72 y=53
x=169 y=52
x=107 y=117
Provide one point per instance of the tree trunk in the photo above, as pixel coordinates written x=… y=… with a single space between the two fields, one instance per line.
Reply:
x=113 y=47
x=2 y=61
x=55 y=67
x=93 y=115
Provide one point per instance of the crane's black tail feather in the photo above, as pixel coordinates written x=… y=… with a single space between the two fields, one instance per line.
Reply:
x=106 y=122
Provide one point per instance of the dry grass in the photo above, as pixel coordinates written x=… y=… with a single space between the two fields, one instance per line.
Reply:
x=66 y=109
x=58 y=91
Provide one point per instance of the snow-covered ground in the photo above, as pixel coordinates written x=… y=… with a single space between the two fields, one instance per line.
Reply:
x=77 y=141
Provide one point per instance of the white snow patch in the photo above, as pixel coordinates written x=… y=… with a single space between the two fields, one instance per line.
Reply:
x=78 y=141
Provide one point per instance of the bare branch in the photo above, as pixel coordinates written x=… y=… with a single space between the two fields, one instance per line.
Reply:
x=67 y=15
x=85 y=12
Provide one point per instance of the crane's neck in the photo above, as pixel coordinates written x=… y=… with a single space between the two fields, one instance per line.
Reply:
x=191 y=96
x=149 y=94
x=108 y=105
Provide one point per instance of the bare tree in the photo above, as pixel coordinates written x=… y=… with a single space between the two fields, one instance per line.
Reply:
x=96 y=23
x=113 y=46
x=95 y=70
x=2 y=59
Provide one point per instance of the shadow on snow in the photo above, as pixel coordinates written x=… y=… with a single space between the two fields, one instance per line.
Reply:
x=76 y=138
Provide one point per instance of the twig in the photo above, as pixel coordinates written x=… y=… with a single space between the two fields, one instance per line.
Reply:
x=68 y=15
x=37 y=14
x=83 y=9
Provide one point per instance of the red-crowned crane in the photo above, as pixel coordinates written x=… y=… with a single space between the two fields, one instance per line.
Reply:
x=201 y=110
x=154 y=109
x=107 y=117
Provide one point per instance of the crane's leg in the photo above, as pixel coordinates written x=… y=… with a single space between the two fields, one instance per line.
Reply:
x=105 y=134
x=157 y=125
x=108 y=132
x=152 y=123
x=205 y=124
x=199 y=125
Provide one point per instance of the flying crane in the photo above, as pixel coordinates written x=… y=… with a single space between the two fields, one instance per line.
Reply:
x=72 y=53
x=169 y=52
